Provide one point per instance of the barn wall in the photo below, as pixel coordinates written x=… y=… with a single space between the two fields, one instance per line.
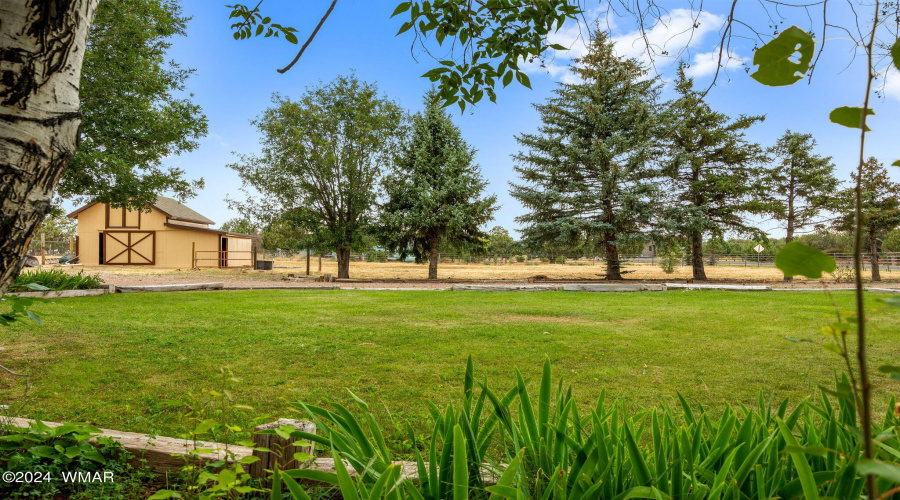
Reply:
x=237 y=244
x=173 y=246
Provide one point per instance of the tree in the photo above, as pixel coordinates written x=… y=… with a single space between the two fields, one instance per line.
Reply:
x=44 y=44
x=880 y=199
x=322 y=156
x=435 y=192
x=57 y=226
x=131 y=119
x=586 y=176
x=711 y=170
x=499 y=242
x=801 y=183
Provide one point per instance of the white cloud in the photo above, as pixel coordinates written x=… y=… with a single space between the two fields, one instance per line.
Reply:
x=705 y=64
x=661 y=45
x=892 y=83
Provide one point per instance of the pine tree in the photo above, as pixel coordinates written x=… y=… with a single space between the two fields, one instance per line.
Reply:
x=435 y=193
x=801 y=184
x=586 y=177
x=881 y=209
x=713 y=171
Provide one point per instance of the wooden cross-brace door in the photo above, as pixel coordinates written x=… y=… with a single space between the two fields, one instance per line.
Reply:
x=130 y=248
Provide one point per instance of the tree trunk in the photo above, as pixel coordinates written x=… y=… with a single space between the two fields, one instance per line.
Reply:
x=699 y=272
x=613 y=266
x=343 y=262
x=789 y=237
x=42 y=46
x=433 y=259
x=873 y=257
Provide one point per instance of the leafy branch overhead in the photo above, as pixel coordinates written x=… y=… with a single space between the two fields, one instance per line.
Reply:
x=484 y=42
x=254 y=24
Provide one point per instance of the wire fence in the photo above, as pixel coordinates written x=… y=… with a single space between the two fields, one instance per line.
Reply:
x=887 y=260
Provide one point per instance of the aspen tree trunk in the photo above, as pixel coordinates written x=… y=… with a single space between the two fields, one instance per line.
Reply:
x=433 y=259
x=42 y=44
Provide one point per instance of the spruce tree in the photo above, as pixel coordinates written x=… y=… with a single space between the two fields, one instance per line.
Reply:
x=800 y=183
x=880 y=209
x=586 y=177
x=712 y=171
x=435 y=192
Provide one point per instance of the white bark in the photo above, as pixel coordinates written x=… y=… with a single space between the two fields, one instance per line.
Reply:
x=42 y=45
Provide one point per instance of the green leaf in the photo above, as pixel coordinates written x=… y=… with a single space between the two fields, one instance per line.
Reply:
x=36 y=287
x=164 y=494
x=895 y=53
x=893 y=371
x=796 y=258
x=296 y=492
x=34 y=317
x=401 y=8
x=896 y=164
x=405 y=27
x=205 y=426
x=807 y=481
x=849 y=116
x=460 y=465
x=890 y=472
x=290 y=37
x=775 y=59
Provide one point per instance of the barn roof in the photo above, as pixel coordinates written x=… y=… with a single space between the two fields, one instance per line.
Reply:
x=172 y=208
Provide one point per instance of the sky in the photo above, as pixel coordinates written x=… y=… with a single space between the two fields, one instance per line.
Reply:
x=234 y=82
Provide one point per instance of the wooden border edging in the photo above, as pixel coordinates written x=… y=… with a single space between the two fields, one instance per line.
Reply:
x=506 y=288
x=169 y=288
x=167 y=454
x=882 y=290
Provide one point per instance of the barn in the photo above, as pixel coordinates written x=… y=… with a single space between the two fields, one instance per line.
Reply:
x=166 y=234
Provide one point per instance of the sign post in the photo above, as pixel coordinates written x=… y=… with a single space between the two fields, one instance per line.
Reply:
x=759 y=248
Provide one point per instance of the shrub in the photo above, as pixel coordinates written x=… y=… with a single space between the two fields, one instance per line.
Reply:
x=669 y=258
x=56 y=279
x=58 y=452
x=555 y=450
x=520 y=258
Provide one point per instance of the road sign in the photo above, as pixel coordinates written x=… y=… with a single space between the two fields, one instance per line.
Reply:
x=758 y=248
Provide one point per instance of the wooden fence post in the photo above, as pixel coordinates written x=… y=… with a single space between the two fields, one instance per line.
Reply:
x=72 y=245
x=193 y=255
x=43 y=249
x=320 y=263
x=281 y=450
x=307 y=261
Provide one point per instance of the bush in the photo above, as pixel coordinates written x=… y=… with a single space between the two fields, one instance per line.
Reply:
x=57 y=453
x=556 y=450
x=669 y=258
x=56 y=279
x=520 y=258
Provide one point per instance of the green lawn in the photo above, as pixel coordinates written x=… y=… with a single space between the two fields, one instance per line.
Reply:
x=139 y=362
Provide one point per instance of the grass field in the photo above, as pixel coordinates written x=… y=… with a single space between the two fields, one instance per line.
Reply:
x=139 y=362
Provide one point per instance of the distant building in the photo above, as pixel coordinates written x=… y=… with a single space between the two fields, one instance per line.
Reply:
x=169 y=235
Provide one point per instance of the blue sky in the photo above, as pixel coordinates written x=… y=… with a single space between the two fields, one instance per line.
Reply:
x=234 y=82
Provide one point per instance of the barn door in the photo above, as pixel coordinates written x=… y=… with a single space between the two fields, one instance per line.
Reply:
x=129 y=248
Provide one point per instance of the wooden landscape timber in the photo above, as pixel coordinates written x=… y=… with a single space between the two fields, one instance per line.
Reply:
x=169 y=288
x=166 y=454
x=883 y=290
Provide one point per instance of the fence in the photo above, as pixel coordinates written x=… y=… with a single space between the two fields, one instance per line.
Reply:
x=223 y=258
x=49 y=252
x=887 y=260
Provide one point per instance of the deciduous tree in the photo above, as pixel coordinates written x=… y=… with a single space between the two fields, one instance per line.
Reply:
x=132 y=118
x=322 y=157
x=435 y=192
x=586 y=177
